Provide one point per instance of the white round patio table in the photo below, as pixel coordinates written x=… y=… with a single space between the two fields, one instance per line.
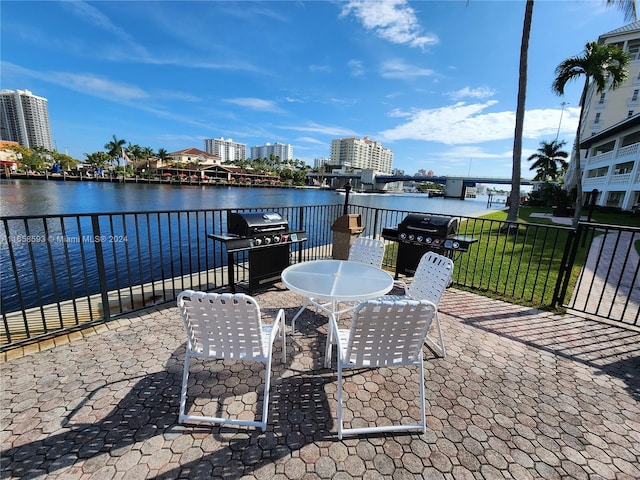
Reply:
x=326 y=283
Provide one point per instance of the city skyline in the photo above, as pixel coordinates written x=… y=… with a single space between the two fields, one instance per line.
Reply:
x=435 y=82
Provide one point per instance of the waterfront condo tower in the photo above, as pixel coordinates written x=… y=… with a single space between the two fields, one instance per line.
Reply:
x=226 y=149
x=361 y=153
x=280 y=150
x=24 y=118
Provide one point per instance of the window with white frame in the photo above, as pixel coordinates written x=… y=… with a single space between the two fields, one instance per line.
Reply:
x=602 y=95
x=597 y=172
x=623 y=168
x=615 y=199
x=634 y=97
x=634 y=50
x=597 y=118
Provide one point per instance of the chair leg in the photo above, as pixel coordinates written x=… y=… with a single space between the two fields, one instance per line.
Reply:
x=265 y=404
x=284 y=341
x=183 y=391
x=437 y=346
x=423 y=409
x=339 y=400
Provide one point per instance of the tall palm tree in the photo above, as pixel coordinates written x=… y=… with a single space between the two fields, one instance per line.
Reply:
x=600 y=64
x=548 y=159
x=114 y=148
x=516 y=168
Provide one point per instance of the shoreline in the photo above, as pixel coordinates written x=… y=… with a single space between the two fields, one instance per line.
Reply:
x=57 y=177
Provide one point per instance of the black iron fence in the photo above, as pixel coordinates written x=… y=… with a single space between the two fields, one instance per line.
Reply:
x=61 y=272
x=601 y=274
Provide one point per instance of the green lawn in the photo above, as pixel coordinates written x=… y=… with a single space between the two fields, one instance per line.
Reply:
x=609 y=218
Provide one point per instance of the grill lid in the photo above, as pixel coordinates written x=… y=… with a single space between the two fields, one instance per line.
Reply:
x=435 y=225
x=255 y=223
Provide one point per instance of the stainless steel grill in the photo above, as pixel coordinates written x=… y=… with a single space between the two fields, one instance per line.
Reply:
x=420 y=233
x=260 y=243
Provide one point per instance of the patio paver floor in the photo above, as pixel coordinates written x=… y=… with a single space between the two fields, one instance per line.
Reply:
x=521 y=394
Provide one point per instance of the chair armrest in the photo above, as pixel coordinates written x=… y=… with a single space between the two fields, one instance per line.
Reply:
x=401 y=284
x=274 y=332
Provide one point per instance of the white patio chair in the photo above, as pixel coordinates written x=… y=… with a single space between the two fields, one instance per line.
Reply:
x=433 y=275
x=367 y=250
x=227 y=326
x=384 y=334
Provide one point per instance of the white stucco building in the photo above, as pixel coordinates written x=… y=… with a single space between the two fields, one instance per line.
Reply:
x=612 y=164
x=610 y=132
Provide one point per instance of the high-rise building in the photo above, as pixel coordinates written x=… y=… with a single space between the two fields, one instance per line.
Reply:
x=321 y=162
x=227 y=150
x=284 y=152
x=24 y=118
x=361 y=153
x=610 y=135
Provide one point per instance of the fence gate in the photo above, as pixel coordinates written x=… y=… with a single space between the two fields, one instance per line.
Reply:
x=608 y=285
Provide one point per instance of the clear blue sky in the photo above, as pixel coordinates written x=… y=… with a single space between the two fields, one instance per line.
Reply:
x=434 y=81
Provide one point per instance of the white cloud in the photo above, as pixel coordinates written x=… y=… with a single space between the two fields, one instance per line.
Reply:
x=320 y=68
x=467 y=92
x=254 y=103
x=357 y=68
x=472 y=152
x=392 y=20
x=88 y=84
x=396 y=68
x=323 y=129
x=463 y=123
x=310 y=140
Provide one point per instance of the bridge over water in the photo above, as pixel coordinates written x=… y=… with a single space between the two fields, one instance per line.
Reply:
x=455 y=186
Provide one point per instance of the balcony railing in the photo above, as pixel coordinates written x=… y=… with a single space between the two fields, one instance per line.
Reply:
x=64 y=272
x=628 y=150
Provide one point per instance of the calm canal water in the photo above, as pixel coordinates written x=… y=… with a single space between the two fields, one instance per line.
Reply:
x=35 y=261
x=41 y=197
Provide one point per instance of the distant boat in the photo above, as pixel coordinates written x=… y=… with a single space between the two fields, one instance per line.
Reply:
x=436 y=194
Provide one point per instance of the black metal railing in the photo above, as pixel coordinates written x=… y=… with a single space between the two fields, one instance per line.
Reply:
x=62 y=272
x=601 y=274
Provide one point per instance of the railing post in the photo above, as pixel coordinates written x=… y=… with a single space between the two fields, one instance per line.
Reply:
x=301 y=223
x=568 y=260
x=102 y=273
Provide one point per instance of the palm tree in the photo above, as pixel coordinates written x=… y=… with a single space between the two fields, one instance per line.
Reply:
x=628 y=7
x=547 y=160
x=600 y=64
x=516 y=167
x=114 y=148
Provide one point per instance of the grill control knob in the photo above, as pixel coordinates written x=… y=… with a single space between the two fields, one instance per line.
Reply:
x=257 y=242
x=420 y=238
x=456 y=245
x=428 y=240
x=403 y=236
x=412 y=237
x=276 y=239
x=267 y=240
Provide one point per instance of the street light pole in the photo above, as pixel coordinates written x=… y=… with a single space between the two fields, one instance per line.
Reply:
x=560 y=122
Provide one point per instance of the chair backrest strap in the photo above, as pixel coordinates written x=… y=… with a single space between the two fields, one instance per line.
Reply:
x=222 y=325
x=388 y=332
x=432 y=276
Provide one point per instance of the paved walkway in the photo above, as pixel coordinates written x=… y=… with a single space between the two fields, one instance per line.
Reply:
x=522 y=394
